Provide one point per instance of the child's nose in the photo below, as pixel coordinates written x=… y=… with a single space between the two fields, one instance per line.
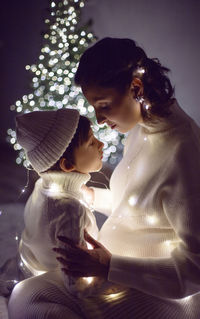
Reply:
x=101 y=144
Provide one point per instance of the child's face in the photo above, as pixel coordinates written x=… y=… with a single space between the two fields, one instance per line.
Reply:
x=88 y=156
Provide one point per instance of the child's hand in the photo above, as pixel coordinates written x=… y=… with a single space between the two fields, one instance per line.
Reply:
x=88 y=194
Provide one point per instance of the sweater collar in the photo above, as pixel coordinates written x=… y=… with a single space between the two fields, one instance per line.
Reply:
x=176 y=118
x=60 y=182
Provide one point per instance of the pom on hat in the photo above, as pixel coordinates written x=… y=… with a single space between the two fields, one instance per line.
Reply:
x=45 y=135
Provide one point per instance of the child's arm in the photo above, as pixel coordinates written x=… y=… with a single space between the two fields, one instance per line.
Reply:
x=70 y=221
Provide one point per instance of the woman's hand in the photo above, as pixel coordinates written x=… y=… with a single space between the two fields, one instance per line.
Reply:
x=88 y=194
x=78 y=261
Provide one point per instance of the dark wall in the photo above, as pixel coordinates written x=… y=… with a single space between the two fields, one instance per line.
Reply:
x=21 y=23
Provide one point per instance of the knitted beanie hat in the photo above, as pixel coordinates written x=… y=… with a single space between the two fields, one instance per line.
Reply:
x=45 y=135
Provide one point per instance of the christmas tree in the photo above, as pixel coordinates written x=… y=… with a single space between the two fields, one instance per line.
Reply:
x=52 y=78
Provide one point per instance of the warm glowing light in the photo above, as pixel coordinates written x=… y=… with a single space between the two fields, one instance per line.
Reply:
x=18 y=103
x=18 y=160
x=89 y=246
x=54 y=188
x=90 y=108
x=19 y=109
x=147 y=106
x=88 y=279
x=132 y=200
x=152 y=219
x=54 y=73
x=116 y=296
x=12 y=140
x=187 y=298
x=168 y=242
x=141 y=70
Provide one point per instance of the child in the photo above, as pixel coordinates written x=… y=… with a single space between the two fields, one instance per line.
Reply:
x=62 y=149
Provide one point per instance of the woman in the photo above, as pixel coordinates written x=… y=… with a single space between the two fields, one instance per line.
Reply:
x=150 y=243
x=151 y=239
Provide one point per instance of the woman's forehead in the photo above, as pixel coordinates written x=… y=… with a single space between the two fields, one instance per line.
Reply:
x=98 y=93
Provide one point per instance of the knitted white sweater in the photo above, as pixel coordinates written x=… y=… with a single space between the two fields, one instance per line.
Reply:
x=153 y=230
x=55 y=208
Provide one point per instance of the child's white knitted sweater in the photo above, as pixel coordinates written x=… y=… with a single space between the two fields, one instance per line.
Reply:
x=55 y=207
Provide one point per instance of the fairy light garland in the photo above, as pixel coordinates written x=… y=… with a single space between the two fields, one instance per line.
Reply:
x=52 y=78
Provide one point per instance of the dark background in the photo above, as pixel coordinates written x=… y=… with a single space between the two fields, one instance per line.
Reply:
x=20 y=43
x=167 y=29
x=21 y=25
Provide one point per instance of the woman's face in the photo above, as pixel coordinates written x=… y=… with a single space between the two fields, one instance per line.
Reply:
x=120 y=111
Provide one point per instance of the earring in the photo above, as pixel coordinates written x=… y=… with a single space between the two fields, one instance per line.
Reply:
x=141 y=100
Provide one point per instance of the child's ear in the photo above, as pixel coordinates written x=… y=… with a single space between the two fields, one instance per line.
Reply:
x=66 y=167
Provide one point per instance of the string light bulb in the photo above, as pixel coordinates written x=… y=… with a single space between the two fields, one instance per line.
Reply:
x=132 y=200
x=88 y=279
x=54 y=188
x=140 y=70
x=147 y=106
x=152 y=219
x=117 y=295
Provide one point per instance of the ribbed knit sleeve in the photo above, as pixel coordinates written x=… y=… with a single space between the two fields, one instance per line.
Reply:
x=69 y=220
x=177 y=276
x=102 y=200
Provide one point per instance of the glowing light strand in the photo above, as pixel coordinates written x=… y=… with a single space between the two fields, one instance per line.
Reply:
x=52 y=77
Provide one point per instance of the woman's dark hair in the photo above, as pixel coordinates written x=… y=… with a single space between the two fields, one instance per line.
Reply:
x=81 y=136
x=111 y=63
